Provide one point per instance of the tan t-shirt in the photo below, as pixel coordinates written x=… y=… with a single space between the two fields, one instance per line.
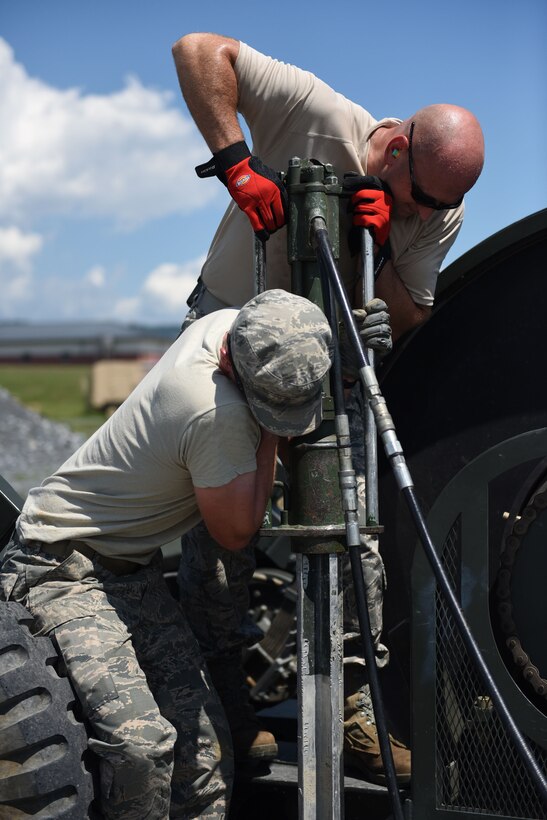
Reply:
x=291 y=113
x=130 y=487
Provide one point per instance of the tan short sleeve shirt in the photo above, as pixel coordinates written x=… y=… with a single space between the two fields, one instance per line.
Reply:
x=292 y=113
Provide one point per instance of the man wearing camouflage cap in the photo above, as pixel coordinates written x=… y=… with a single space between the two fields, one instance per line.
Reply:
x=196 y=440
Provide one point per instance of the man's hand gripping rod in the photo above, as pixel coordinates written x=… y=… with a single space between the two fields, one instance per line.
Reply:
x=394 y=453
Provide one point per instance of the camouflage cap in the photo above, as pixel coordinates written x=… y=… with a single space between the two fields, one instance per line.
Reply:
x=279 y=344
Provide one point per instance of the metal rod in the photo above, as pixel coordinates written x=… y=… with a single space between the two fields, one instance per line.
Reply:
x=371 y=438
x=396 y=458
x=319 y=658
x=260 y=265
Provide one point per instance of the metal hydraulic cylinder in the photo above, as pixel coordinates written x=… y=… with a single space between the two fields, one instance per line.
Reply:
x=316 y=516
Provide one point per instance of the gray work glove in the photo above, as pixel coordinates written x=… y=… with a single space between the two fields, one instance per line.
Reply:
x=375 y=332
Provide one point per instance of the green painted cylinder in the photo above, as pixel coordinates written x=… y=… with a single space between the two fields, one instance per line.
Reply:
x=315 y=498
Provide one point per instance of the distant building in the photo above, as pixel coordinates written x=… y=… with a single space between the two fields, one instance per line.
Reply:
x=81 y=341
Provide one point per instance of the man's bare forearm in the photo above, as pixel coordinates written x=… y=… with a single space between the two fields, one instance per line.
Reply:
x=234 y=512
x=265 y=471
x=404 y=313
x=205 y=68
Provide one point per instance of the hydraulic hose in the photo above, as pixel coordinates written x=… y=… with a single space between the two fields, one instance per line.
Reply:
x=394 y=453
x=371 y=440
x=348 y=484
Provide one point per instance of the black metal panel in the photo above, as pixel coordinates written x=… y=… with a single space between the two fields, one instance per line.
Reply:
x=470 y=377
x=465 y=762
x=10 y=507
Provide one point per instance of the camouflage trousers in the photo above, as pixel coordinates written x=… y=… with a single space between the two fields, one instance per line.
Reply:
x=213 y=582
x=158 y=728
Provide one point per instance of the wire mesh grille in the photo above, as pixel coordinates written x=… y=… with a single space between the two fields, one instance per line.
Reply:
x=477 y=767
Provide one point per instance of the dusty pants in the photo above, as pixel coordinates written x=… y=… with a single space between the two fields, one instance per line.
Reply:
x=159 y=730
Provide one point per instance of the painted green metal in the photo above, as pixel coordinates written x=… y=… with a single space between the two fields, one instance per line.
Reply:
x=315 y=503
x=315 y=490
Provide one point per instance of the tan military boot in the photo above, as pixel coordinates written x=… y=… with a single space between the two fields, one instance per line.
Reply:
x=250 y=741
x=361 y=745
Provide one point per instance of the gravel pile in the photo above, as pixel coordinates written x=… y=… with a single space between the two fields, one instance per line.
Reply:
x=31 y=447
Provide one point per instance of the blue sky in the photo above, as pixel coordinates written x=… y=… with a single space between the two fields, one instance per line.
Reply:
x=101 y=214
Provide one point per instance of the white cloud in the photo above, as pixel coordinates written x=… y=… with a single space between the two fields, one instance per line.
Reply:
x=163 y=295
x=127 y=156
x=124 y=158
x=96 y=276
x=17 y=248
x=95 y=294
x=170 y=285
x=17 y=252
x=15 y=290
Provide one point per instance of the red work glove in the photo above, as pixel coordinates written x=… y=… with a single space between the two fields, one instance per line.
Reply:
x=371 y=202
x=255 y=188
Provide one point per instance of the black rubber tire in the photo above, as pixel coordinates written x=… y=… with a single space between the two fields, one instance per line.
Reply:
x=43 y=758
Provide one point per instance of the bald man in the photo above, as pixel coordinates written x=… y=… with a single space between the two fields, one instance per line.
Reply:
x=409 y=179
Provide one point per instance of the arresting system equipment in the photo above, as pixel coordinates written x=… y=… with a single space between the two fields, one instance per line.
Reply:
x=319 y=535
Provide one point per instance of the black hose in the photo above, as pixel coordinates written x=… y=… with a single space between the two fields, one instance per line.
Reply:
x=374 y=681
x=396 y=459
x=336 y=369
x=357 y=569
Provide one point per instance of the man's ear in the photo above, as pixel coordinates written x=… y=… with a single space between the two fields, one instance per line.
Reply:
x=224 y=362
x=394 y=149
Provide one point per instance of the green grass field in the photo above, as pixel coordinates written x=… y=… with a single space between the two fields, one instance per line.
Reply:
x=56 y=391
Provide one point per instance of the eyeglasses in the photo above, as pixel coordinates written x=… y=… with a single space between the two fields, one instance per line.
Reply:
x=420 y=196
